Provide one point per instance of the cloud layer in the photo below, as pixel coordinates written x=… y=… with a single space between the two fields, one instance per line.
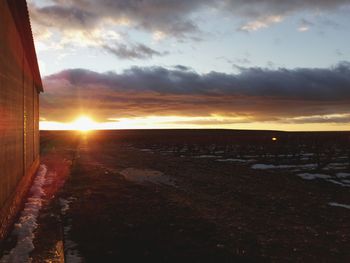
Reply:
x=256 y=94
x=176 y=19
x=167 y=15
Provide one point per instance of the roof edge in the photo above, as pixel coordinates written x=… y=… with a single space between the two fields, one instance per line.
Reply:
x=20 y=14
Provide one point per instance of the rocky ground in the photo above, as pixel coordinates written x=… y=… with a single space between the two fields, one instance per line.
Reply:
x=116 y=200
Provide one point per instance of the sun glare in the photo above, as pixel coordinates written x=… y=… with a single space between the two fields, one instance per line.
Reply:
x=84 y=124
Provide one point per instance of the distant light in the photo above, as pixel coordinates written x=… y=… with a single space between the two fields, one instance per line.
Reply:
x=274 y=139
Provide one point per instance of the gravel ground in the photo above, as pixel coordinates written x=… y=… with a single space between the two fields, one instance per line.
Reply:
x=122 y=202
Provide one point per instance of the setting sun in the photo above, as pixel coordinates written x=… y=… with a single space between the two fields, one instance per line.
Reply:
x=83 y=123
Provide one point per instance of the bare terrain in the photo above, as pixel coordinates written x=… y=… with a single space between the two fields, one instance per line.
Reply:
x=195 y=196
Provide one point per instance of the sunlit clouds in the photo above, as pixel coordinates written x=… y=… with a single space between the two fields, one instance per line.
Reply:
x=179 y=122
x=261 y=23
x=252 y=96
x=194 y=64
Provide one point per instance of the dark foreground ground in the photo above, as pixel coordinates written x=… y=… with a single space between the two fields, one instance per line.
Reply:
x=195 y=196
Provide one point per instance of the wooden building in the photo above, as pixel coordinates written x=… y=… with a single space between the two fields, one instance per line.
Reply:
x=20 y=85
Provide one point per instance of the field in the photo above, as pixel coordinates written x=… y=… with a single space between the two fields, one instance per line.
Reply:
x=195 y=196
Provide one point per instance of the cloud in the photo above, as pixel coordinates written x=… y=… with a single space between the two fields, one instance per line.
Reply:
x=339 y=53
x=265 y=8
x=168 y=18
x=182 y=68
x=138 y=51
x=304 y=25
x=73 y=24
x=259 y=14
x=332 y=118
x=258 y=94
x=258 y=24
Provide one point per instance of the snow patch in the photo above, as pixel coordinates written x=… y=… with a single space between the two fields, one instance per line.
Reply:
x=308 y=176
x=284 y=166
x=260 y=166
x=71 y=252
x=27 y=223
x=338 y=183
x=339 y=205
x=72 y=255
x=346 y=181
x=342 y=175
x=336 y=166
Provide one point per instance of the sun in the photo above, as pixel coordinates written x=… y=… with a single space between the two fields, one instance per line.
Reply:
x=84 y=124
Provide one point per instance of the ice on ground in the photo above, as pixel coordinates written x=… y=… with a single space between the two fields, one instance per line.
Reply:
x=27 y=223
x=259 y=166
x=309 y=176
x=146 y=175
x=339 y=205
x=342 y=175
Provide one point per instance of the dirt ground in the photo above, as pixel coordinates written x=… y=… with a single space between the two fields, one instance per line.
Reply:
x=117 y=201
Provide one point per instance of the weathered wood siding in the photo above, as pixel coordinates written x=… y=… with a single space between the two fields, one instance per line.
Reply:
x=36 y=125
x=19 y=109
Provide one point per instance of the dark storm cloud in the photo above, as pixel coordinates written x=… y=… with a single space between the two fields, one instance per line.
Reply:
x=301 y=84
x=262 y=93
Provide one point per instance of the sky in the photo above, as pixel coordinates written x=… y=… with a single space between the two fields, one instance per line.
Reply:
x=236 y=64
